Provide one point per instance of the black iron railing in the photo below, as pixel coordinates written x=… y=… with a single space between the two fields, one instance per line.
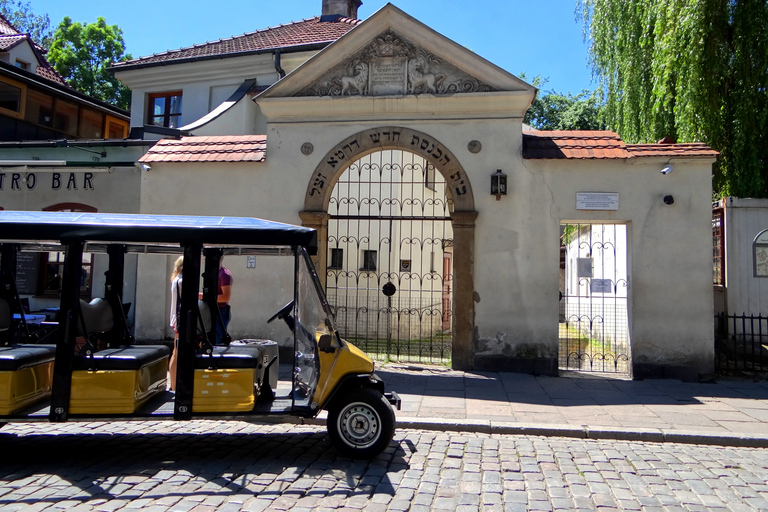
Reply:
x=741 y=342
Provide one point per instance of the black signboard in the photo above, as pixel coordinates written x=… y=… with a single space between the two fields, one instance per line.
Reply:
x=27 y=266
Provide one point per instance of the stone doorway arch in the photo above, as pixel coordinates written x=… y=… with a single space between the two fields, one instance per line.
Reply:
x=335 y=162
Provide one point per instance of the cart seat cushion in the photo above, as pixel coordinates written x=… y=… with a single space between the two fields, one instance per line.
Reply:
x=17 y=357
x=131 y=357
x=233 y=356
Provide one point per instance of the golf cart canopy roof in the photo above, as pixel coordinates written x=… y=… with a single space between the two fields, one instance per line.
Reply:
x=142 y=229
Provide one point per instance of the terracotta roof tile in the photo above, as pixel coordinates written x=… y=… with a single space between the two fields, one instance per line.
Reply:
x=6 y=27
x=10 y=37
x=224 y=148
x=669 y=150
x=46 y=71
x=8 y=41
x=579 y=144
x=573 y=144
x=297 y=33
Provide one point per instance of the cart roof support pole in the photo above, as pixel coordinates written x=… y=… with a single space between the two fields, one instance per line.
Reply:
x=188 y=320
x=69 y=315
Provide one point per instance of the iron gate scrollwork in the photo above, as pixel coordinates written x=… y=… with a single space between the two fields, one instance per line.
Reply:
x=594 y=323
x=390 y=242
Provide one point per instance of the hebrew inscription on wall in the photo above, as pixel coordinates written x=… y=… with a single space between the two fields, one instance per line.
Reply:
x=339 y=158
x=391 y=65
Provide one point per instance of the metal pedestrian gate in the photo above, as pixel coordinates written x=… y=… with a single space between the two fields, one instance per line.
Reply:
x=389 y=262
x=594 y=291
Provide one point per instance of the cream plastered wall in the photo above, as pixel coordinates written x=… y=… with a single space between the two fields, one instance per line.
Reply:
x=230 y=189
x=105 y=177
x=516 y=244
x=24 y=53
x=508 y=257
x=204 y=84
x=242 y=118
x=670 y=263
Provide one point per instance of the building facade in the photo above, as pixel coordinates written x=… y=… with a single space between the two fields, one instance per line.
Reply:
x=391 y=88
x=387 y=137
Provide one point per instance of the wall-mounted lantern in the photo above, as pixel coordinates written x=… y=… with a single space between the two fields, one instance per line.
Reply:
x=498 y=184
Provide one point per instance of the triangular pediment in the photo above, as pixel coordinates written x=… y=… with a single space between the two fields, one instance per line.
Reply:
x=392 y=54
x=394 y=65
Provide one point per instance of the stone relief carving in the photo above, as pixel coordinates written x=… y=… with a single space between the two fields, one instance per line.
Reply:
x=391 y=65
x=356 y=83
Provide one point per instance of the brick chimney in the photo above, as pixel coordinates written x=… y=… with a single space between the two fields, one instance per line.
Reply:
x=333 y=9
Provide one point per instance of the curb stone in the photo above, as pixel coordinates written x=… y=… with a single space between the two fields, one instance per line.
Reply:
x=555 y=430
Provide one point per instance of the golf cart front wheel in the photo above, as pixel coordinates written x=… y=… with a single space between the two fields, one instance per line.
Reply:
x=362 y=424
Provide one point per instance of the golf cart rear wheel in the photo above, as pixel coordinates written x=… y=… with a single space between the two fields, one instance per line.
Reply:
x=361 y=424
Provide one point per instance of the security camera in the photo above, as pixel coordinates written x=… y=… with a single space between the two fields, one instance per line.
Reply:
x=146 y=167
x=667 y=169
x=669 y=200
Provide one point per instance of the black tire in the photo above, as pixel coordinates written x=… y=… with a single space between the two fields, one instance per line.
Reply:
x=361 y=424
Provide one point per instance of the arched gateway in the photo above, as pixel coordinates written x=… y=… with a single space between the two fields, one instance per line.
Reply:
x=407 y=160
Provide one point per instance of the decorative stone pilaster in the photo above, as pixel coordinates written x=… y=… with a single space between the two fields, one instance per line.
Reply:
x=319 y=222
x=463 y=289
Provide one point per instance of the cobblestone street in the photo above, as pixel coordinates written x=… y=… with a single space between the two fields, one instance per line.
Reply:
x=228 y=466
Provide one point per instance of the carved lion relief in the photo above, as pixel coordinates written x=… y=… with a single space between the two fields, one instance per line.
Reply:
x=391 y=65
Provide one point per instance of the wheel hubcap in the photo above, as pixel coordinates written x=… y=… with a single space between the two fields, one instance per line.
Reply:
x=359 y=425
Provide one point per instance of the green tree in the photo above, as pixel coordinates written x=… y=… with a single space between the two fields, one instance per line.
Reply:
x=21 y=16
x=82 y=54
x=555 y=111
x=693 y=70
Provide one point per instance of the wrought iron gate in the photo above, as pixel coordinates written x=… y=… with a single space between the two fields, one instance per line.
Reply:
x=389 y=261
x=594 y=323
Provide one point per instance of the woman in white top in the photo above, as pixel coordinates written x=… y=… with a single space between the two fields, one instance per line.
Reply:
x=175 y=306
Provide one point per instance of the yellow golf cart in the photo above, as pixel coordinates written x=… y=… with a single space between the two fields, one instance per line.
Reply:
x=85 y=365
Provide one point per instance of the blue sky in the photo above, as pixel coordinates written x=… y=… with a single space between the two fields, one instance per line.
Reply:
x=540 y=37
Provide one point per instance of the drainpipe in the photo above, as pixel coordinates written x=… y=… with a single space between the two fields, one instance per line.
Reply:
x=278 y=68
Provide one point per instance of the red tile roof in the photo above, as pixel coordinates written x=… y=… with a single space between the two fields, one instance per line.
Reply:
x=6 y=27
x=573 y=144
x=223 y=148
x=297 y=33
x=10 y=37
x=8 y=41
x=45 y=70
x=597 y=144
x=666 y=150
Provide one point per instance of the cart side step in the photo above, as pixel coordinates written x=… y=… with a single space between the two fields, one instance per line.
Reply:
x=394 y=399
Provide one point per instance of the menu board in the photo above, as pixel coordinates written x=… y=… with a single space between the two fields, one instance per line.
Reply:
x=27 y=267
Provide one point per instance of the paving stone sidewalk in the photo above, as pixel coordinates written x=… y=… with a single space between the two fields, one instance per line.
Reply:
x=726 y=412
x=230 y=466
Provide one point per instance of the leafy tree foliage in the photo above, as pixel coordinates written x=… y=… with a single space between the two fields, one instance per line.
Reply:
x=555 y=111
x=82 y=54
x=693 y=70
x=21 y=16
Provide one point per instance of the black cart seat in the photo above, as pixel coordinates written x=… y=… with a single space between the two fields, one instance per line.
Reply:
x=230 y=357
x=130 y=357
x=17 y=357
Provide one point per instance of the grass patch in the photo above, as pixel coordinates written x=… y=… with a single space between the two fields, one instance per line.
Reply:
x=435 y=350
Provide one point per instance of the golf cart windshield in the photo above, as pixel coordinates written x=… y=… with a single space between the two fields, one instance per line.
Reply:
x=313 y=320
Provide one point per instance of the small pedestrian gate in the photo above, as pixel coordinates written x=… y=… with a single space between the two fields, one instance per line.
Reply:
x=594 y=285
x=389 y=262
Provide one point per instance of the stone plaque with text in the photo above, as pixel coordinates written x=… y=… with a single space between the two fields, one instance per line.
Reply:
x=597 y=200
x=388 y=76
